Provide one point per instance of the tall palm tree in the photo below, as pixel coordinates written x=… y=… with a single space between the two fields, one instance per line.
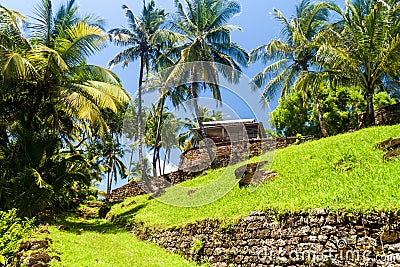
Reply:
x=293 y=55
x=140 y=38
x=365 y=49
x=207 y=37
x=176 y=95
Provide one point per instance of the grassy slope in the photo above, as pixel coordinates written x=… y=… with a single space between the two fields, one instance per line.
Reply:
x=96 y=242
x=343 y=171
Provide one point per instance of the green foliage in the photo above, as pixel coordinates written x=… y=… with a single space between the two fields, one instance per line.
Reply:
x=340 y=172
x=340 y=107
x=38 y=174
x=294 y=52
x=12 y=231
x=364 y=48
x=52 y=104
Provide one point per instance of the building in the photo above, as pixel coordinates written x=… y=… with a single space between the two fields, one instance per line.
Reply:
x=233 y=130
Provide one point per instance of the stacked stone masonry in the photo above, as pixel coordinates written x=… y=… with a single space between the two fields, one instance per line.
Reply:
x=385 y=116
x=318 y=238
x=195 y=161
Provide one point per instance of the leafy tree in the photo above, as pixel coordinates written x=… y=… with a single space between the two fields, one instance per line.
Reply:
x=296 y=113
x=48 y=92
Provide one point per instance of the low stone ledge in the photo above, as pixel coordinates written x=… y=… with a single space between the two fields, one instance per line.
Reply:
x=318 y=238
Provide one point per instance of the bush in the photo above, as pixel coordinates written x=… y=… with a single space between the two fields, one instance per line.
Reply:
x=12 y=231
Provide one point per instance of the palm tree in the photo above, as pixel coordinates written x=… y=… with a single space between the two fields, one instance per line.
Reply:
x=295 y=54
x=203 y=24
x=54 y=62
x=140 y=39
x=55 y=89
x=365 y=49
x=136 y=171
x=176 y=94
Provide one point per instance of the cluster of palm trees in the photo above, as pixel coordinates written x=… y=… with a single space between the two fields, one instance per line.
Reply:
x=324 y=44
x=61 y=118
x=198 y=31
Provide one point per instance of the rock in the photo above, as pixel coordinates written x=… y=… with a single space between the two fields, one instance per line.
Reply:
x=37 y=259
x=389 y=143
x=392 y=154
x=156 y=194
x=390 y=237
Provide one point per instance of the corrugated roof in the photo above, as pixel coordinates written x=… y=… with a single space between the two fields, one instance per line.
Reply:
x=229 y=122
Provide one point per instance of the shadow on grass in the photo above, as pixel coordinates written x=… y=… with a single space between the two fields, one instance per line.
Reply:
x=125 y=217
x=76 y=225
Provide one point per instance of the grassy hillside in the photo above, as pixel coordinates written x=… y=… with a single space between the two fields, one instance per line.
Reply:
x=343 y=171
x=96 y=242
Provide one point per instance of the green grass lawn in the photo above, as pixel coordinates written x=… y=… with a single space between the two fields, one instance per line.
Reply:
x=96 y=242
x=340 y=172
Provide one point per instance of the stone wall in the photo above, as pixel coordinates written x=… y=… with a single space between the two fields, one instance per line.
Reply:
x=197 y=159
x=318 y=238
x=137 y=188
x=385 y=116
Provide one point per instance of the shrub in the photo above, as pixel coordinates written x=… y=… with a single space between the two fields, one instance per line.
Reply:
x=12 y=231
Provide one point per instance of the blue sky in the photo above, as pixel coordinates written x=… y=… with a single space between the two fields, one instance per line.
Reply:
x=255 y=19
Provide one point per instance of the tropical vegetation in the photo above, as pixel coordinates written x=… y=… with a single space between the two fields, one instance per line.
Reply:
x=63 y=120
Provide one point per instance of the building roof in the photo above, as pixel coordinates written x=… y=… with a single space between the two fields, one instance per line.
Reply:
x=240 y=121
x=227 y=123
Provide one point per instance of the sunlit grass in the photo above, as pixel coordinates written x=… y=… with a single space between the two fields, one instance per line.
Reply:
x=341 y=172
x=96 y=242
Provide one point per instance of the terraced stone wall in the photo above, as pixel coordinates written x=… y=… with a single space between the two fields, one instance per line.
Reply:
x=197 y=159
x=318 y=238
x=385 y=116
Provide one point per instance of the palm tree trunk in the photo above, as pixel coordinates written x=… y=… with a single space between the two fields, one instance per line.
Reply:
x=159 y=163
x=130 y=164
x=370 y=115
x=109 y=178
x=165 y=159
x=111 y=168
x=156 y=153
x=140 y=119
x=320 y=115
x=201 y=126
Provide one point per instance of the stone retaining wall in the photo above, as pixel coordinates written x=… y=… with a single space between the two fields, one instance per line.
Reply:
x=385 y=116
x=318 y=238
x=197 y=159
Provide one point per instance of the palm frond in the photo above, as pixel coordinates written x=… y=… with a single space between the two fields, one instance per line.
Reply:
x=84 y=40
x=128 y=55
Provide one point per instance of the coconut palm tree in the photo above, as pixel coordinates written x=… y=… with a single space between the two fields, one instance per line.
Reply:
x=365 y=49
x=203 y=25
x=287 y=59
x=53 y=61
x=139 y=37
x=47 y=88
